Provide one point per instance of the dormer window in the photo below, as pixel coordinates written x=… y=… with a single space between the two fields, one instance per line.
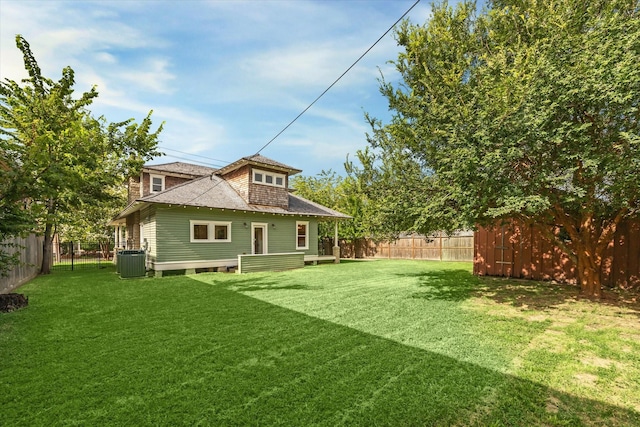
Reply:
x=268 y=178
x=157 y=183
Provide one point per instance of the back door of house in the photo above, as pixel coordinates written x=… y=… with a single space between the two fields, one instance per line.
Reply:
x=259 y=232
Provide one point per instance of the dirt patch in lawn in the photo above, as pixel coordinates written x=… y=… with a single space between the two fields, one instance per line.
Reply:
x=598 y=362
x=532 y=295
x=585 y=379
x=553 y=404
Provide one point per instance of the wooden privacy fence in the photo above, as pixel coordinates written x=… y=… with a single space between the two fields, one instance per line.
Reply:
x=517 y=250
x=440 y=247
x=30 y=249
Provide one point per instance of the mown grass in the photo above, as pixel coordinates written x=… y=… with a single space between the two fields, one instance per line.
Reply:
x=360 y=343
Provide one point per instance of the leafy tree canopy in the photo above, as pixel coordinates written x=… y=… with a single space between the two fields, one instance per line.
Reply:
x=527 y=110
x=58 y=159
x=338 y=193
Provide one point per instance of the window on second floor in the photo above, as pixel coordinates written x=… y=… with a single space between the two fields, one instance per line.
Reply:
x=157 y=183
x=268 y=178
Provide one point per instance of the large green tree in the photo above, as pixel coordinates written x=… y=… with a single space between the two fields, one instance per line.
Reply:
x=334 y=191
x=527 y=109
x=93 y=225
x=14 y=218
x=60 y=158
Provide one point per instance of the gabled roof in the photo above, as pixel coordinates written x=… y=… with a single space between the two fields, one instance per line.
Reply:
x=214 y=192
x=180 y=168
x=258 y=160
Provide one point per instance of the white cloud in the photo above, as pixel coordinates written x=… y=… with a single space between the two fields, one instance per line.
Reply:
x=153 y=76
x=106 y=58
x=307 y=66
x=60 y=35
x=226 y=76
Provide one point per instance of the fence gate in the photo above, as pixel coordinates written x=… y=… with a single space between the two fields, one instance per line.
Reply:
x=73 y=255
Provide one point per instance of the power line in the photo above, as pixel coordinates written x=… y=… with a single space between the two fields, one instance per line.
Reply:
x=338 y=79
x=206 y=191
x=195 y=155
x=315 y=100
x=172 y=156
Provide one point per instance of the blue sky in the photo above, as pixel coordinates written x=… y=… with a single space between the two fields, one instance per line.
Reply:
x=224 y=76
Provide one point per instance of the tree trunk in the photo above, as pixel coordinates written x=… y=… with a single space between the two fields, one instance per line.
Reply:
x=589 y=269
x=104 y=249
x=47 y=245
x=47 y=252
x=590 y=237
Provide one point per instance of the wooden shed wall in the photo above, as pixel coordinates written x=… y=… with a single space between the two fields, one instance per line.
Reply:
x=516 y=250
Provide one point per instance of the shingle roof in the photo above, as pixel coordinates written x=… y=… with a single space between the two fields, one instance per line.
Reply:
x=258 y=159
x=215 y=192
x=182 y=168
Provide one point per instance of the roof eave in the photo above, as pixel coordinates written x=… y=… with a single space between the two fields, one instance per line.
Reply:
x=243 y=162
x=167 y=173
x=134 y=206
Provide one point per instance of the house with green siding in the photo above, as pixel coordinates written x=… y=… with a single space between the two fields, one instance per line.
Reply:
x=244 y=216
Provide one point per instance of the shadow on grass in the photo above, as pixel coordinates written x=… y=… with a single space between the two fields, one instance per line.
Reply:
x=459 y=285
x=212 y=356
x=548 y=295
x=447 y=285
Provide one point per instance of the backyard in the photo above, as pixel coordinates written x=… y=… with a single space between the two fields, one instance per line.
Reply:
x=358 y=343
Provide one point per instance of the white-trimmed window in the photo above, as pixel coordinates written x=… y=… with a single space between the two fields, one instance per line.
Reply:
x=210 y=231
x=302 y=234
x=156 y=183
x=269 y=178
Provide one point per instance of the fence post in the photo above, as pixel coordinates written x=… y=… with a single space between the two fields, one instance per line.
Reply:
x=413 y=248
x=72 y=253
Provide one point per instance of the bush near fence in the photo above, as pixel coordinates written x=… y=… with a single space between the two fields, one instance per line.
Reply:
x=30 y=249
x=439 y=247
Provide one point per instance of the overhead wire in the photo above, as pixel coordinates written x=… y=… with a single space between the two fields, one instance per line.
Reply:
x=211 y=165
x=315 y=100
x=224 y=162
x=339 y=78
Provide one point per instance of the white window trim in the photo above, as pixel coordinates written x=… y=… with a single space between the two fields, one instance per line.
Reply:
x=306 y=236
x=274 y=175
x=151 y=183
x=210 y=231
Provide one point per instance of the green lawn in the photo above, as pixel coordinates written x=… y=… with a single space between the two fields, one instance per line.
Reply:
x=360 y=343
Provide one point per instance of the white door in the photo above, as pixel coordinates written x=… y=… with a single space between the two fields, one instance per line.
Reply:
x=259 y=234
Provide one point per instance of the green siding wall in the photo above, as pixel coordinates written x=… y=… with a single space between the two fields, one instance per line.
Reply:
x=148 y=220
x=282 y=237
x=273 y=262
x=172 y=230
